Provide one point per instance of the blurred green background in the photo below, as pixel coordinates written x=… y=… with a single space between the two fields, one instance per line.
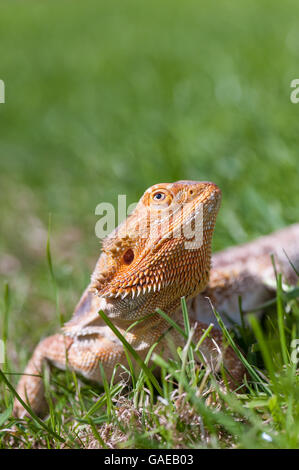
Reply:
x=108 y=98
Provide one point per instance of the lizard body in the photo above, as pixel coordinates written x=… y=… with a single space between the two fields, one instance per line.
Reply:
x=159 y=254
x=247 y=271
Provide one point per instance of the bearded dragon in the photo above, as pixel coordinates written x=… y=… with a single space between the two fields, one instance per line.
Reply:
x=161 y=253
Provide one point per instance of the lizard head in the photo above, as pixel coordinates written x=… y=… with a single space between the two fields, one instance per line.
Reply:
x=161 y=252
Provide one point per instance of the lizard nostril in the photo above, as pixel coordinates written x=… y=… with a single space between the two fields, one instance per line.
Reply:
x=128 y=256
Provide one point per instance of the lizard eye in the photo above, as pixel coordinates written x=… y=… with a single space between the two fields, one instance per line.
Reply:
x=128 y=256
x=159 y=196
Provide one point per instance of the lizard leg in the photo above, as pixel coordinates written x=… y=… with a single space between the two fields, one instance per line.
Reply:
x=64 y=352
x=216 y=352
x=30 y=387
x=84 y=354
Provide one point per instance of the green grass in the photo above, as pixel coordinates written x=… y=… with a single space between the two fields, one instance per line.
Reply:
x=193 y=407
x=109 y=98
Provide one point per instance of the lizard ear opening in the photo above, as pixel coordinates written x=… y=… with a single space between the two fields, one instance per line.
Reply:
x=128 y=256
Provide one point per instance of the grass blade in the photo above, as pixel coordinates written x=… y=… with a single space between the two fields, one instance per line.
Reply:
x=52 y=274
x=280 y=321
x=263 y=346
x=231 y=342
x=29 y=409
x=135 y=355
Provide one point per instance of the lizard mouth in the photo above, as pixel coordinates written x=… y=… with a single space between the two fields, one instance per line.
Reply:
x=127 y=308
